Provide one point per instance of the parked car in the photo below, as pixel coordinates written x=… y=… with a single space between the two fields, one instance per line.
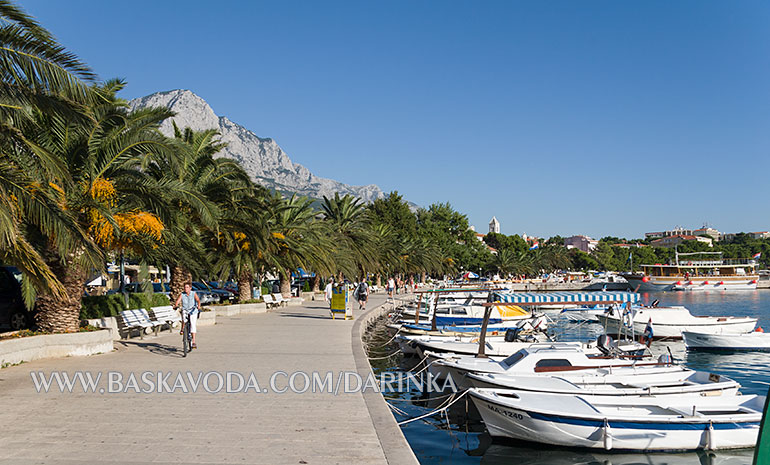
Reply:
x=205 y=293
x=162 y=288
x=224 y=293
x=221 y=294
x=13 y=314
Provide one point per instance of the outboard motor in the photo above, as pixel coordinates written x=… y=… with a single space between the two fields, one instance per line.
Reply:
x=512 y=334
x=666 y=359
x=604 y=344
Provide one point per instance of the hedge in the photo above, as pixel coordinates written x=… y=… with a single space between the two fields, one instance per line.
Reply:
x=102 y=306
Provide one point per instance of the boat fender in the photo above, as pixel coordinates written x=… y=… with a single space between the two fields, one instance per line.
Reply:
x=759 y=329
x=679 y=283
x=607 y=433
x=689 y=282
x=710 y=437
x=705 y=283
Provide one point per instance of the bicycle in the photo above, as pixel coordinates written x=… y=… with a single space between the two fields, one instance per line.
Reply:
x=186 y=334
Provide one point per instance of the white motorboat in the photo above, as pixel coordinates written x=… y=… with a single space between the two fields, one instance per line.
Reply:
x=463 y=315
x=418 y=343
x=755 y=340
x=665 y=423
x=501 y=347
x=583 y=313
x=676 y=381
x=541 y=358
x=669 y=322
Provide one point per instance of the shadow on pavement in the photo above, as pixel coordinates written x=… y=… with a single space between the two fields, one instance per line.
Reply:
x=299 y=315
x=155 y=348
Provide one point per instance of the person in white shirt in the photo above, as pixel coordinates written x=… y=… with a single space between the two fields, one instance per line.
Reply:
x=328 y=292
x=391 y=287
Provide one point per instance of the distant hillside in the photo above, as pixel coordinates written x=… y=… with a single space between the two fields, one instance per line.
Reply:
x=263 y=159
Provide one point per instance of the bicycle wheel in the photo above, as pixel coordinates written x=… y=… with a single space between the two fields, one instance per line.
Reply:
x=186 y=339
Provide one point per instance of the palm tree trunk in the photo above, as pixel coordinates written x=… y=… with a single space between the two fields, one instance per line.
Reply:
x=54 y=315
x=285 y=279
x=245 y=279
x=179 y=276
x=316 y=283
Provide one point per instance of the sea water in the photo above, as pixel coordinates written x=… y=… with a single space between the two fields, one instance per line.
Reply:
x=457 y=437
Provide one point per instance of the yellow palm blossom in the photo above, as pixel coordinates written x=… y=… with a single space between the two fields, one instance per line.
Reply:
x=132 y=223
x=103 y=190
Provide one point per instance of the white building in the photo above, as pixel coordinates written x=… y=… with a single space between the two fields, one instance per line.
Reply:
x=494 y=226
x=584 y=243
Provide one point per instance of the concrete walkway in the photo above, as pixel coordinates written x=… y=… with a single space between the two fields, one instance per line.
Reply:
x=177 y=428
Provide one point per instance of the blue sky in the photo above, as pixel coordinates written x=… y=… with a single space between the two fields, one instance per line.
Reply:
x=592 y=117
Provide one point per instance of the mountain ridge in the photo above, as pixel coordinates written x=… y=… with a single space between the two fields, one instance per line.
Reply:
x=262 y=158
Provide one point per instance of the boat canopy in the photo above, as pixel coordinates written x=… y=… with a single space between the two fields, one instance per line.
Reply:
x=565 y=297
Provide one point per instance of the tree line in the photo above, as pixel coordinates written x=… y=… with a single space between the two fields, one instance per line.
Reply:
x=85 y=180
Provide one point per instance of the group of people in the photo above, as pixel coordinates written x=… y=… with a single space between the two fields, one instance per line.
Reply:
x=396 y=285
x=189 y=303
x=361 y=293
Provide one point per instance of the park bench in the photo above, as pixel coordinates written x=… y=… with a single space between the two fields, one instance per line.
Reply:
x=138 y=320
x=166 y=315
x=279 y=300
x=269 y=301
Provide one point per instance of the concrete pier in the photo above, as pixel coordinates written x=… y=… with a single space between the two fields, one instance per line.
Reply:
x=222 y=428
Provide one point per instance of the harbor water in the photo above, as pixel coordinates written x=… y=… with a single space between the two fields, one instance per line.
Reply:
x=457 y=436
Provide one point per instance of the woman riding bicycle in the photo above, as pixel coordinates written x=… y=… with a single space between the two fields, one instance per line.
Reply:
x=191 y=305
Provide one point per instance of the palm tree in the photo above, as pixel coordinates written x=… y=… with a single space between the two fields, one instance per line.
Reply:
x=296 y=239
x=504 y=262
x=347 y=218
x=38 y=75
x=198 y=186
x=106 y=191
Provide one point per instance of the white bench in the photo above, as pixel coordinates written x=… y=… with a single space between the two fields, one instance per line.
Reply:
x=279 y=300
x=166 y=315
x=269 y=301
x=138 y=319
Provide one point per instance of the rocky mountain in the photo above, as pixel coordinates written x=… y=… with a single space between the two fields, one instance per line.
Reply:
x=262 y=158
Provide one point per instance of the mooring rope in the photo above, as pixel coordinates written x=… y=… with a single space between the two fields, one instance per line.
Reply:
x=391 y=340
x=387 y=356
x=438 y=410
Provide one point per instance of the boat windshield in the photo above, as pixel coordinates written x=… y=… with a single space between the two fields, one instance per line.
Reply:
x=513 y=359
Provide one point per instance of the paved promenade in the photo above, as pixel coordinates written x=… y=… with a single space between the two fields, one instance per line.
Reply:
x=194 y=428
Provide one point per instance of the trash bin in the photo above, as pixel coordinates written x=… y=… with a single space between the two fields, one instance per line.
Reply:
x=256 y=292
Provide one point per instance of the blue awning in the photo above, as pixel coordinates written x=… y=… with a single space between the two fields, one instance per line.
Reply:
x=564 y=297
x=300 y=273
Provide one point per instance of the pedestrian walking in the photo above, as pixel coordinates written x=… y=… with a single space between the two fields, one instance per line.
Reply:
x=362 y=294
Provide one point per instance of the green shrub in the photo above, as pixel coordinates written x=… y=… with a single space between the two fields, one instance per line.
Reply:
x=103 y=306
x=265 y=290
x=306 y=287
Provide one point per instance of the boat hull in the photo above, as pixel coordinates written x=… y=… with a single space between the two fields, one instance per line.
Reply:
x=504 y=420
x=669 y=323
x=672 y=283
x=753 y=341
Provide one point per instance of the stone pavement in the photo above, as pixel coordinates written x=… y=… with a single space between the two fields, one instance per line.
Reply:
x=194 y=428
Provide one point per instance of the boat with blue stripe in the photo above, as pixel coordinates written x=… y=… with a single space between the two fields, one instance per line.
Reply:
x=639 y=423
